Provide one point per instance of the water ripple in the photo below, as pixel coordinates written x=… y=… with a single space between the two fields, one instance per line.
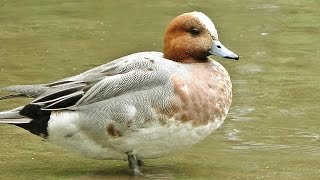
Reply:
x=263 y=6
x=258 y=145
x=241 y=113
x=233 y=134
x=250 y=69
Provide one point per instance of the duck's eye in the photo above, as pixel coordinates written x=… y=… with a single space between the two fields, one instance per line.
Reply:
x=194 y=31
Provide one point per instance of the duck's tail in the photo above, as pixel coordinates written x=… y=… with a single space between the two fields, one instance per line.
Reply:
x=34 y=116
x=29 y=117
x=13 y=117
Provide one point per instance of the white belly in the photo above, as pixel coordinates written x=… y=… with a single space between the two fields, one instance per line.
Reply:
x=151 y=142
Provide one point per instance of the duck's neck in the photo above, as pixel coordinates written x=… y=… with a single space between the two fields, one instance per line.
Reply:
x=184 y=58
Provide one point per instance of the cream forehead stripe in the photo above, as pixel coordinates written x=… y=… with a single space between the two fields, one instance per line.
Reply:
x=207 y=23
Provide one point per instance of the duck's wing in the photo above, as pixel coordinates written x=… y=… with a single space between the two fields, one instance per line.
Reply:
x=94 y=85
x=24 y=91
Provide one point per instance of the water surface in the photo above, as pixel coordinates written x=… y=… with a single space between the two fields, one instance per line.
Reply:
x=271 y=132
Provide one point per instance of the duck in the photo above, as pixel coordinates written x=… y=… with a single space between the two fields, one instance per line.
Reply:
x=140 y=106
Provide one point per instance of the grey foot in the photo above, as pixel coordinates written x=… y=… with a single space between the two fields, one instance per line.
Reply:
x=140 y=163
x=134 y=164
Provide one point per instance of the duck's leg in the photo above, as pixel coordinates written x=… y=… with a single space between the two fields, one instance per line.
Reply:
x=140 y=163
x=134 y=163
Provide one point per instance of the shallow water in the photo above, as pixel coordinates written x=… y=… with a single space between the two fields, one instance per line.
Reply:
x=271 y=132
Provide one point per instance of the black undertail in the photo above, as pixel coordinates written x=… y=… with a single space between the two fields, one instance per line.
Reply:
x=40 y=118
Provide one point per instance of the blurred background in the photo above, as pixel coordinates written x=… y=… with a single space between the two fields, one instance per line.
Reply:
x=272 y=130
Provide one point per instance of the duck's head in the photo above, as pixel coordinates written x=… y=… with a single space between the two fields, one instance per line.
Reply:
x=191 y=38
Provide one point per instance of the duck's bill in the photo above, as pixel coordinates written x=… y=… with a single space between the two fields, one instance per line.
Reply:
x=219 y=50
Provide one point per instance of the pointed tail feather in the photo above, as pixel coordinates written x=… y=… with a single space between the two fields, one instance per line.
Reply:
x=11 y=96
x=13 y=117
x=15 y=121
x=30 y=117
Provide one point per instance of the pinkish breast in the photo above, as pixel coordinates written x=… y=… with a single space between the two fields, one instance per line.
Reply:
x=205 y=97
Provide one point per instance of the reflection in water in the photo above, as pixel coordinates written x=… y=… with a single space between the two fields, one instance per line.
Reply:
x=149 y=172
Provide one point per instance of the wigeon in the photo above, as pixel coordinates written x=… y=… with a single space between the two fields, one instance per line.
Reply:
x=144 y=105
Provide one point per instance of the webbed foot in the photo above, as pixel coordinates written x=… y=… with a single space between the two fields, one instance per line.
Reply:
x=134 y=164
